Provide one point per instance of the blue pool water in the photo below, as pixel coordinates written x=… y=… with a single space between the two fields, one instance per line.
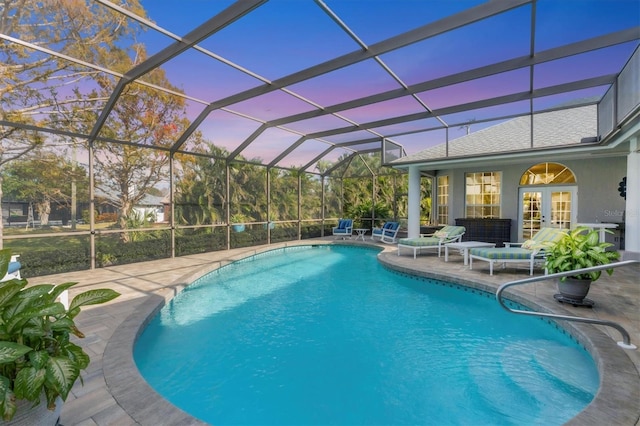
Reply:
x=326 y=335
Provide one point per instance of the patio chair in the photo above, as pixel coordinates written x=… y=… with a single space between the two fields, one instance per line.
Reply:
x=437 y=240
x=387 y=233
x=530 y=251
x=13 y=272
x=344 y=228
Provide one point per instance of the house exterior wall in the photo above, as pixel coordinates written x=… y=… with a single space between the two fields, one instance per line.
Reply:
x=598 y=199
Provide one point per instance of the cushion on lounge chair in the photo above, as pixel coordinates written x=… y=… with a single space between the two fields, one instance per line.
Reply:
x=420 y=241
x=541 y=240
x=342 y=224
x=501 y=253
x=545 y=237
x=448 y=234
x=452 y=230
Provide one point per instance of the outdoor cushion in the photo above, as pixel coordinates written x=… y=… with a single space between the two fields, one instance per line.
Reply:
x=344 y=228
x=387 y=232
x=440 y=234
x=548 y=235
x=511 y=253
x=450 y=234
x=528 y=244
x=453 y=230
x=420 y=241
x=13 y=267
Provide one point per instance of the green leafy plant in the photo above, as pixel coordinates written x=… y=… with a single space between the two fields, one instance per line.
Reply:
x=238 y=218
x=580 y=248
x=36 y=354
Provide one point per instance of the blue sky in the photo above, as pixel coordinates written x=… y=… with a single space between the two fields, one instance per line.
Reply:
x=282 y=37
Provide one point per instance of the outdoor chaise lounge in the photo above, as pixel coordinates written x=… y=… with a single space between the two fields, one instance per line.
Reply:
x=530 y=251
x=437 y=240
x=387 y=233
x=344 y=228
x=14 y=270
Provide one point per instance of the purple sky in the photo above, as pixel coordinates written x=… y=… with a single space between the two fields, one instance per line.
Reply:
x=285 y=36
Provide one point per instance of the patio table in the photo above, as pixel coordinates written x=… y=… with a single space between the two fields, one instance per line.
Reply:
x=361 y=232
x=464 y=247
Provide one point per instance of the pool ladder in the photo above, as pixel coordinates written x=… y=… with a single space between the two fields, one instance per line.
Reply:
x=626 y=340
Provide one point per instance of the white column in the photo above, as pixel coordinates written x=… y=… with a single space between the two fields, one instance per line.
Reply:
x=413 y=219
x=632 y=214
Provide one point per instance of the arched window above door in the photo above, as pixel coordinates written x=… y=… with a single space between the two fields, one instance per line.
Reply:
x=547 y=174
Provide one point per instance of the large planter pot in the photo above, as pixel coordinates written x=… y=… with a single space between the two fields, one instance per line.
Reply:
x=238 y=228
x=40 y=415
x=574 y=291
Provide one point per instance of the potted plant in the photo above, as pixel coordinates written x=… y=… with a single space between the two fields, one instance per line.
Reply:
x=237 y=222
x=579 y=248
x=38 y=362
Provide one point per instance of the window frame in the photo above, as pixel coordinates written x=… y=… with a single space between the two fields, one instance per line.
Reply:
x=442 y=199
x=479 y=207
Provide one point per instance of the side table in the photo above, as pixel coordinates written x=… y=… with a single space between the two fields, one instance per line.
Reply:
x=361 y=232
x=464 y=247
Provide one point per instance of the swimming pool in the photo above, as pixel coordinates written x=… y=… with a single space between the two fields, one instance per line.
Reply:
x=327 y=335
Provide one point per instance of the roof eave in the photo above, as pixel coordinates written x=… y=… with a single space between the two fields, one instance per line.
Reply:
x=614 y=145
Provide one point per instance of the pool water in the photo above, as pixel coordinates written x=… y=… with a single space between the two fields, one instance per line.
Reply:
x=319 y=335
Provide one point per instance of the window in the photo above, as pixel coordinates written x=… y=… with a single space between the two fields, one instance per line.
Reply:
x=547 y=174
x=482 y=196
x=443 y=199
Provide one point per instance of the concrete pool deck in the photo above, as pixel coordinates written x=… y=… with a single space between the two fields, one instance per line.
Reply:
x=115 y=394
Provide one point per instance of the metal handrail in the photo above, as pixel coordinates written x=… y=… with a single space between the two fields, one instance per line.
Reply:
x=626 y=343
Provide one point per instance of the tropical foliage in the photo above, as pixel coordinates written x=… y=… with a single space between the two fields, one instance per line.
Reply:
x=201 y=195
x=36 y=353
x=130 y=156
x=45 y=180
x=77 y=29
x=202 y=198
x=580 y=248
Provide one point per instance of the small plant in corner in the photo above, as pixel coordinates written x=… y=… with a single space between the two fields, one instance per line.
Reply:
x=580 y=248
x=37 y=358
x=238 y=218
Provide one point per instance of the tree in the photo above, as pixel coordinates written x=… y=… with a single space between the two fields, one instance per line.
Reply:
x=248 y=189
x=68 y=95
x=201 y=193
x=35 y=88
x=391 y=188
x=14 y=143
x=311 y=199
x=149 y=119
x=42 y=180
x=284 y=194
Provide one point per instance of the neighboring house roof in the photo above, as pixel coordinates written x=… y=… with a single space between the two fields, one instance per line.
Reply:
x=552 y=129
x=151 y=200
x=147 y=200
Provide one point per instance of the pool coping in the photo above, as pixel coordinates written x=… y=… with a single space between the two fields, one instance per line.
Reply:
x=619 y=378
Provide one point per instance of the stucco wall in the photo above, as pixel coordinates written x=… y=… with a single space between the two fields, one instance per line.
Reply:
x=598 y=199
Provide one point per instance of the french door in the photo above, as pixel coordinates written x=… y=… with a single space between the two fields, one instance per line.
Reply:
x=546 y=207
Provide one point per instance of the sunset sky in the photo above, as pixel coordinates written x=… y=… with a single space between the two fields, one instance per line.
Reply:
x=283 y=37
